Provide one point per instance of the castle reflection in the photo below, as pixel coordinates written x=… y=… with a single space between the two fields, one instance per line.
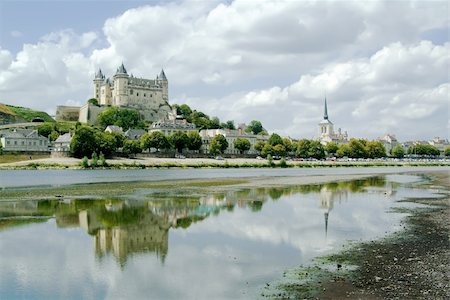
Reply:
x=124 y=228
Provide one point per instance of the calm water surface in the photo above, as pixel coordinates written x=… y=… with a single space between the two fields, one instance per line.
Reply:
x=189 y=245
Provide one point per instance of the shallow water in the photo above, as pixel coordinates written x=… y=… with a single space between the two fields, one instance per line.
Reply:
x=198 y=245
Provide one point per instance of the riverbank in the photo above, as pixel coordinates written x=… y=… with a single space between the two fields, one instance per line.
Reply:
x=411 y=264
x=150 y=162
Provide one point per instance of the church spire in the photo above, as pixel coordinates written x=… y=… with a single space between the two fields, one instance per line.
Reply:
x=326 y=224
x=325 y=113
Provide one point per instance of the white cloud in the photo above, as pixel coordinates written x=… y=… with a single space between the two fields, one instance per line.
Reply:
x=271 y=60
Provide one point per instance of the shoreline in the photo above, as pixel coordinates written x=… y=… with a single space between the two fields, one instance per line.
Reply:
x=149 y=163
x=413 y=263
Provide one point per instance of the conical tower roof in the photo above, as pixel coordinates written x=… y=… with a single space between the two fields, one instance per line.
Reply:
x=325 y=113
x=99 y=74
x=121 y=69
x=162 y=75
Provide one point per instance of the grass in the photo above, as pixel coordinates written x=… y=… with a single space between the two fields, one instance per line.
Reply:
x=29 y=114
x=10 y=158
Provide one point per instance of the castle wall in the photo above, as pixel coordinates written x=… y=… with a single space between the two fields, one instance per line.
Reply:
x=67 y=113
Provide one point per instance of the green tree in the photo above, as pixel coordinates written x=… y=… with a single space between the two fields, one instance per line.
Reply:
x=106 y=143
x=357 y=148
x=53 y=136
x=184 y=110
x=375 y=149
x=316 y=150
x=214 y=123
x=93 y=101
x=131 y=147
x=125 y=118
x=288 y=145
x=46 y=129
x=94 y=161
x=447 y=151
x=1 y=148
x=242 y=144
x=398 y=151
x=423 y=149
x=344 y=150
x=279 y=150
x=259 y=145
x=229 y=125
x=331 y=148
x=303 y=148
x=218 y=145
x=195 y=140
x=119 y=139
x=255 y=127
x=84 y=142
x=275 y=139
x=267 y=150
x=156 y=140
x=179 y=140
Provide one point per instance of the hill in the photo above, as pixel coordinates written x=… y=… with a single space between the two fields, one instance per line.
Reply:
x=17 y=114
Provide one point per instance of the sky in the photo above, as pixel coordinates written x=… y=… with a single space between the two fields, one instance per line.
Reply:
x=382 y=65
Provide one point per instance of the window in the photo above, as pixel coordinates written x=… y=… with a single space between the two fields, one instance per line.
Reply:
x=23 y=143
x=131 y=92
x=144 y=95
x=15 y=143
x=137 y=94
x=7 y=143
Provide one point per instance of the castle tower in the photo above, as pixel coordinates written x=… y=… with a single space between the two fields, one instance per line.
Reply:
x=120 y=94
x=326 y=130
x=98 y=81
x=165 y=85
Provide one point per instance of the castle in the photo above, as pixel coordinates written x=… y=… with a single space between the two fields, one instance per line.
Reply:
x=149 y=96
x=326 y=130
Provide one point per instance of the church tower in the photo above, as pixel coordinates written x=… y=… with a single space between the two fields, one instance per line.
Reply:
x=326 y=130
x=120 y=95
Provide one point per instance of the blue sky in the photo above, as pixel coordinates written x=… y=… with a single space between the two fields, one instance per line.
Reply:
x=383 y=65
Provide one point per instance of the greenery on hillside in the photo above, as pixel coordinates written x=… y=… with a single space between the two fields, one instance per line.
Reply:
x=28 y=114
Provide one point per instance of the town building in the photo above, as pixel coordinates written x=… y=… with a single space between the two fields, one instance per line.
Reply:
x=439 y=143
x=24 y=140
x=326 y=130
x=172 y=124
x=114 y=128
x=231 y=135
x=389 y=141
x=62 y=143
x=134 y=134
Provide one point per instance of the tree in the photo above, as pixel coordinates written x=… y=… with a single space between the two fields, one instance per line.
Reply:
x=156 y=139
x=242 y=144
x=229 y=125
x=288 y=145
x=53 y=136
x=331 y=148
x=344 y=150
x=357 y=148
x=303 y=148
x=316 y=150
x=267 y=150
x=195 y=140
x=423 y=149
x=179 y=140
x=259 y=145
x=46 y=129
x=125 y=118
x=375 y=149
x=398 y=151
x=106 y=143
x=84 y=142
x=255 y=127
x=93 y=101
x=184 y=110
x=1 y=148
x=131 y=148
x=279 y=150
x=447 y=151
x=218 y=145
x=275 y=139
x=214 y=123
x=119 y=139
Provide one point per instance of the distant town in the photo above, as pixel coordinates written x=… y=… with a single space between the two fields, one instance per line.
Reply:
x=129 y=116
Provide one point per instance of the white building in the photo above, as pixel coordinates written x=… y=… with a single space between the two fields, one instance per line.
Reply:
x=62 y=143
x=389 y=141
x=172 y=124
x=326 y=130
x=439 y=143
x=24 y=140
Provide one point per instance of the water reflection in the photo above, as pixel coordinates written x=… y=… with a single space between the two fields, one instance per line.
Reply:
x=237 y=239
